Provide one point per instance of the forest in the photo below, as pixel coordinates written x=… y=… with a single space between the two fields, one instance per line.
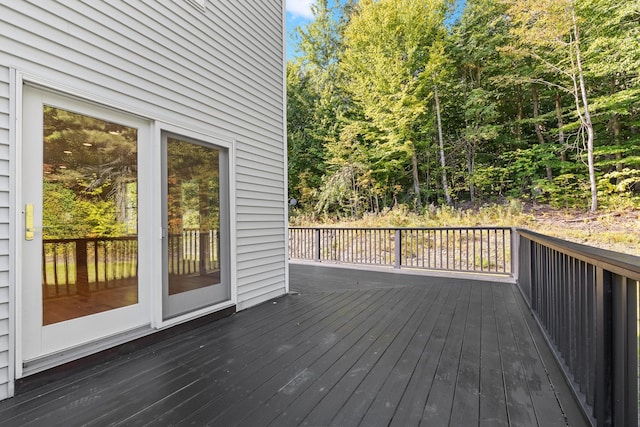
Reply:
x=422 y=103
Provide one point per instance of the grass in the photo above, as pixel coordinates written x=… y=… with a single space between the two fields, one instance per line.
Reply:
x=613 y=229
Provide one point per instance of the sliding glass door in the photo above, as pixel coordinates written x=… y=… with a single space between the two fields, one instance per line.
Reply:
x=196 y=200
x=93 y=202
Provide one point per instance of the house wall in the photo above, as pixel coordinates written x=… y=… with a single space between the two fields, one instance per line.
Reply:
x=217 y=70
x=4 y=233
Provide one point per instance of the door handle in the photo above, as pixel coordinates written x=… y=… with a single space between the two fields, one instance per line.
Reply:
x=28 y=221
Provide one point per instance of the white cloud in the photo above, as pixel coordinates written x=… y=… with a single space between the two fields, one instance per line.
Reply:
x=300 y=8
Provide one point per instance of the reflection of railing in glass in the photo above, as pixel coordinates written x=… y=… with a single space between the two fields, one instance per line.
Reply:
x=86 y=276
x=89 y=189
x=194 y=252
x=193 y=216
x=81 y=266
x=193 y=260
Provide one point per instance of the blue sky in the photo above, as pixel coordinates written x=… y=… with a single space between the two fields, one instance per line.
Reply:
x=299 y=14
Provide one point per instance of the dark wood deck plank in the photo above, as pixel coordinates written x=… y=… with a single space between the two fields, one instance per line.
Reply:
x=519 y=404
x=466 y=400
x=407 y=346
x=348 y=363
x=384 y=407
x=24 y=400
x=410 y=366
x=244 y=356
x=329 y=370
x=540 y=388
x=327 y=409
x=252 y=363
x=354 y=347
x=289 y=388
x=284 y=371
x=438 y=407
x=295 y=354
x=410 y=409
x=493 y=410
x=149 y=363
x=254 y=374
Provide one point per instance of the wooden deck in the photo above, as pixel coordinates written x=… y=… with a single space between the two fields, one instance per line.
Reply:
x=348 y=347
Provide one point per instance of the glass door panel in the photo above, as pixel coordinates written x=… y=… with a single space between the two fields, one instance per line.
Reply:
x=195 y=272
x=89 y=216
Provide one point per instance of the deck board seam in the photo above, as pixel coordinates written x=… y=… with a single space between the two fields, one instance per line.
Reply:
x=358 y=355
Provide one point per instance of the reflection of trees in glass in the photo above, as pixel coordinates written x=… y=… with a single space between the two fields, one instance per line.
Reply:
x=90 y=176
x=193 y=187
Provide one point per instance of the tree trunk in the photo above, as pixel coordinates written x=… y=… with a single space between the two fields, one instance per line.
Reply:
x=536 y=113
x=427 y=178
x=538 y=126
x=443 y=164
x=615 y=126
x=588 y=124
x=615 y=130
x=204 y=207
x=416 y=178
x=471 y=160
x=520 y=112
x=563 y=153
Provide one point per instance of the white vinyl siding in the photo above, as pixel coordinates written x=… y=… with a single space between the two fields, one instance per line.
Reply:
x=206 y=69
x=4 y=232
x=217 y=70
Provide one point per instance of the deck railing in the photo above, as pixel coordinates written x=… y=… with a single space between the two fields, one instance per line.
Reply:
x=461 y=249
x=586 y=300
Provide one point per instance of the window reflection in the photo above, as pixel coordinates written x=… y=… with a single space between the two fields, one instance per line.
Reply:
x=90 y=215
x=193 y=202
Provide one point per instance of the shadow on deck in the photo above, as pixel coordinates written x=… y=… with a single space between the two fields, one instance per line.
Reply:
x=347 y=347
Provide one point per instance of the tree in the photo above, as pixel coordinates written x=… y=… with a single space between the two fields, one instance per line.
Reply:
x=437 y=72
x=474 y=44
x=485 y=109
x=549 y=32
x=315 y=100
x=386 y=49
x=305 y=148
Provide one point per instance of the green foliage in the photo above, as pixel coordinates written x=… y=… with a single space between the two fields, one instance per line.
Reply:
x=564 y=191
x=315 y=100
x=90 y=176
x=362 y=128
x=624 y=183
x=68 y=216
x=393 y=56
